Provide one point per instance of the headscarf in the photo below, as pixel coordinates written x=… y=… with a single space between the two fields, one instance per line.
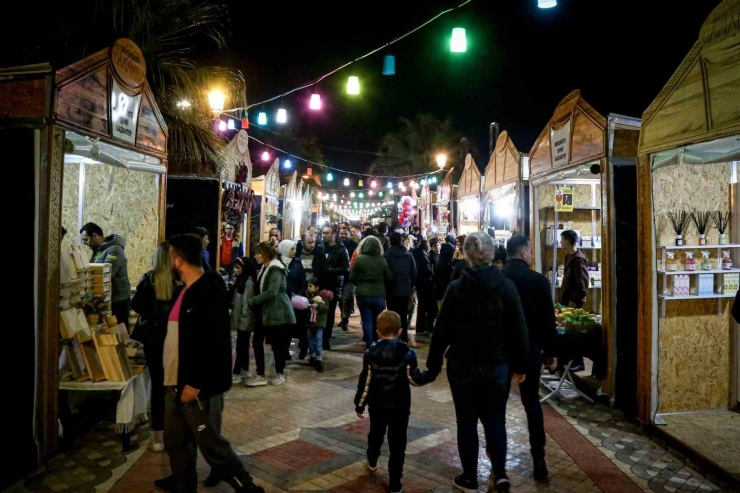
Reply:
x=284 y=249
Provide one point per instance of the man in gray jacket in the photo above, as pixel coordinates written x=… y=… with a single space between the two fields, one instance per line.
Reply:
x=110 y=250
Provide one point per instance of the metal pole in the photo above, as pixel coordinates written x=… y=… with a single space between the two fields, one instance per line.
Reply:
x=492 y=138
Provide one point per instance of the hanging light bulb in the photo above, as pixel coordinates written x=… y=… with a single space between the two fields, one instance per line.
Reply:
x=423 y=181
x=352 y=195
x=222 y=126
x=282 y=116
x=373 y=184
x=359 y=183
x=262 y=118
x=362 y=195
x=370 y=193
x=329 y=177
x=231 y=125
x=346 y=182
x=287 y=164
x=459 y=43
x=315 y=103
x=334 y=197
x=353 y=85
x=380 y=194
x=547 y=4
x=390 y=184
x=389 y=65
x=245 y=123
x=400 y=186
x=265 y=156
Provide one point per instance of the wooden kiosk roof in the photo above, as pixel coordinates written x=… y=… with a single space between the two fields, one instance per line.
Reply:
x=504 y=165
x=469 y=184
x=444 y=192
x=585 y=139
x=701 y=101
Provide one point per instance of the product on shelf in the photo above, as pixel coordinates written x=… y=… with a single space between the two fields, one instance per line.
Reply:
x=681 y=285
x=706 y=262
x=671 y=264
x=705 y=285
x=726 y=261
x=690 y=263
x=730 y=283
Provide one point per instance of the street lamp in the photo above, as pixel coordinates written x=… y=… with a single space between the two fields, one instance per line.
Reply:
x=216 y=101
x=441 y=161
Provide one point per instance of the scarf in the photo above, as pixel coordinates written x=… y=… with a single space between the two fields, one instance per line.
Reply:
x=284 y=249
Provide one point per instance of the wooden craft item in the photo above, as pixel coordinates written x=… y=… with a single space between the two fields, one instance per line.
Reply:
x=101 y=288
x=100 y=279
x=100 y=269
x=77 y=259
x=70 y=324
x=111 y=321
x=82 y=320
x=83 y=255
x=92 y=361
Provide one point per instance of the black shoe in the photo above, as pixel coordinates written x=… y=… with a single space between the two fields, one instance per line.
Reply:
x=319 y=367
x=312 y=362
x=167 y=484
x=344 y=324
x=540 y=470
x=465 y=485
x=502 y=483
x=212 y=481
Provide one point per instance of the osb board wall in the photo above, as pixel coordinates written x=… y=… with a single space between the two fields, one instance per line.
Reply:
x=701 y=101
x=625 y=142
x=684 y=187
x=694 y=342
x=120 y=201
x=70 y=199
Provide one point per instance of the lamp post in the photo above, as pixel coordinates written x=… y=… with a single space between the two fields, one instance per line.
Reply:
x=216 y=101
x=441 y=161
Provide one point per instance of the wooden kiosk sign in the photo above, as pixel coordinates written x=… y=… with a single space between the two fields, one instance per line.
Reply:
x=580 y=148
x=689 y=147
x=103 y=98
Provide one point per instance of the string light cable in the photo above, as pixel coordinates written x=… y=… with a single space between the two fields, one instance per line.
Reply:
x=337 y=169
x=316 y=81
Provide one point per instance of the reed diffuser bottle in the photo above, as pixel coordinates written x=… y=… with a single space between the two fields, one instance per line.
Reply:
x=679 y=221
x=721 y=220
x=701 y=221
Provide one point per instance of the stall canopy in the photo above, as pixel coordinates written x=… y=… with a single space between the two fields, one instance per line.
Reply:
x=444 y=192
x=469 y=184
x=502 y=183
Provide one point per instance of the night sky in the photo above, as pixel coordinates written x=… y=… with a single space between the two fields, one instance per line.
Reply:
x=521 y=61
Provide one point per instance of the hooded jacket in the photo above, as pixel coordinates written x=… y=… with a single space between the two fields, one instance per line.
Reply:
x=242 y=317
x=575 y=279
x=443 y=271
x=370 y=271
x=424 y=269
x=403 y=268
x=204 y=337
x=273 y=298
x=481 y=322
x=389 y=367
x=111 y=251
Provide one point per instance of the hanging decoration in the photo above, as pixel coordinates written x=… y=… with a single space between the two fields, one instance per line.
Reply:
x=346 y=182
x=547 y=4
x=389 y=65
x=222 y=126
x=359 y=183
x=287 y=164
x=353 y=85
x=315 y=103
x=329 y=177
x=245 y=123
x=282 y=116
x=265 y=156
x=262 y=118
x=459 y=42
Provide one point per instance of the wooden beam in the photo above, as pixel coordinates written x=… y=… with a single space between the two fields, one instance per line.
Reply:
x=645 y=288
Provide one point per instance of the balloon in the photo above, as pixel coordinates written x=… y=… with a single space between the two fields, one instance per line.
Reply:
x=412 y=202
x=406 y=223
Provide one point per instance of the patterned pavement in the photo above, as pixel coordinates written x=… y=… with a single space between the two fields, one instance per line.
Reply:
x=304 y=437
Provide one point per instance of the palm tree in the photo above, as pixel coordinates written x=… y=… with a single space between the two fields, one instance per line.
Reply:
x=169 y=32
x=412 y=149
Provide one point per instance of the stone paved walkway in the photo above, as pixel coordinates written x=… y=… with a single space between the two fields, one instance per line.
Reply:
x=304 y=437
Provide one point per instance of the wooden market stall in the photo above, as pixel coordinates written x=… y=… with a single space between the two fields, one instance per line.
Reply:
x=444 y=220
x=87 y=143
x=307 y=206
x=575 y=165
x=468 y=198
x=689 y=346
x=266 y=212
x=292 y=205
x=505 y=190
x=427 y=200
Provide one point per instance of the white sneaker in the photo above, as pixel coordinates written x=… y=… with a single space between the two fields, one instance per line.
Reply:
x=246 y=375
x=256 y=381
x=278 y=380
x=156 y=446
x=236 y=378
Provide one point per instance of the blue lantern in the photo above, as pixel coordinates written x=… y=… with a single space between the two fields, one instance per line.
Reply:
x=389 y=65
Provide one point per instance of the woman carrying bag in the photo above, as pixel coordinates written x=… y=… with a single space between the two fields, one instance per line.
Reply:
x=277 y=313
x=155 y=296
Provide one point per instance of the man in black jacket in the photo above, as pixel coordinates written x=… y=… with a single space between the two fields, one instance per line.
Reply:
x=197 y=372
x=332 y=275
x=534 y=292
x=348 y=290
x=400 y=289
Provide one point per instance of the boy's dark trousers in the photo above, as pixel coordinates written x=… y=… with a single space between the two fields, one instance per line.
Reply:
x=395 y=421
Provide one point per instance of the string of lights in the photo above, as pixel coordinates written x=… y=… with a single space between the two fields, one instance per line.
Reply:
x=395 y=177
x=316 y=81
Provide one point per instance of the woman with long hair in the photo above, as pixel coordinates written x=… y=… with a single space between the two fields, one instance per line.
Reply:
x=370 y=273
x=242 y=317
x=277 y=312
x=155 y=296
x=482 y=324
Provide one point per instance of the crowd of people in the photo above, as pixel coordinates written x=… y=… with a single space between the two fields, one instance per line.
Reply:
x=485 y=309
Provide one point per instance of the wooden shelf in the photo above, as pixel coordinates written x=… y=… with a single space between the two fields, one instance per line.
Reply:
x=695 y=296
x=590 y=287
x=583 y=208
x=697 y=247
x=697 y=271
